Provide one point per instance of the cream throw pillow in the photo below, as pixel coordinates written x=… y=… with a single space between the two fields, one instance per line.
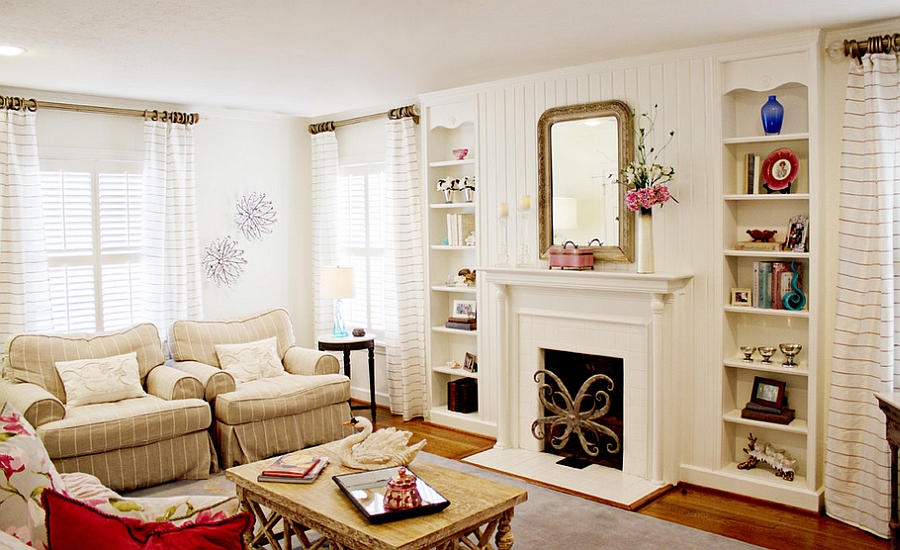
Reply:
x=251 y=361
x=103 y=380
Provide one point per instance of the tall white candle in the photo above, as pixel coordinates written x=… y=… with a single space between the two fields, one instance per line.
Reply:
x=525 y=202
x=503 y=210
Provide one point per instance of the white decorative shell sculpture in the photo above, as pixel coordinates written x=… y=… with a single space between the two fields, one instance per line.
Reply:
x=385 y=448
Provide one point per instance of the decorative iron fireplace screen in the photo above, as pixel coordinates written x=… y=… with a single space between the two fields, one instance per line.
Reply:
x=582 y=397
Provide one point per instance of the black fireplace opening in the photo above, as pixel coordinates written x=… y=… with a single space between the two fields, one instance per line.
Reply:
x=602 y=431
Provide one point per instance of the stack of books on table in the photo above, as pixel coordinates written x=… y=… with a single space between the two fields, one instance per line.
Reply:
x=755 y=411
x=461 y=323
x=297 y=467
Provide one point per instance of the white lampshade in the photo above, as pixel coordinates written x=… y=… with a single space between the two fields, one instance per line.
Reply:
x=565 y=213
x=337 y=283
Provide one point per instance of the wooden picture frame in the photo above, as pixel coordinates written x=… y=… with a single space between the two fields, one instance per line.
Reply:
x=741 y=297
x=767 y=392
x=470 y=365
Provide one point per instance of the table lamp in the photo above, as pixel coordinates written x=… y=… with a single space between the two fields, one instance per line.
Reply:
x=337 y=284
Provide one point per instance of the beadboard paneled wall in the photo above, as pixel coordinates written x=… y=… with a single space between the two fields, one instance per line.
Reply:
x=508 y=117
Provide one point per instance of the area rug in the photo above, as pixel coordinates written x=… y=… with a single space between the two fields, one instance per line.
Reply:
x=549 y=520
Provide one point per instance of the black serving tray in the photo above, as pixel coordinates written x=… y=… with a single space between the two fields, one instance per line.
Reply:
x=366 y=490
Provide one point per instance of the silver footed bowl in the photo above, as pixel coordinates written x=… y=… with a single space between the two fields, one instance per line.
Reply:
x=767 y=352
x=748 y=353
x=790 y=351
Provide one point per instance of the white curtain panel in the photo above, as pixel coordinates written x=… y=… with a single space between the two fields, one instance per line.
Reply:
x=24 y=275
x=857 y=475
x=324 y=215
x=172 y=275
x=404 y=274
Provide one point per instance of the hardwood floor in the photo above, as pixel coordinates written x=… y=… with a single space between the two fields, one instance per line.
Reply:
x=749 y=520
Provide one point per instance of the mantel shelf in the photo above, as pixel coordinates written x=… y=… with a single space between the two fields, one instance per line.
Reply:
x=656 y=283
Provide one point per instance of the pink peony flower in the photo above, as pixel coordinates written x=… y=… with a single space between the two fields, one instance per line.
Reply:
x=13 y=424
x=11 y=465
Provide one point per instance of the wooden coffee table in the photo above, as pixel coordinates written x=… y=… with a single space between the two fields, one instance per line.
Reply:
x=479 y=509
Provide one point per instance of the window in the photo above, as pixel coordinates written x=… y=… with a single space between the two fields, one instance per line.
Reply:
x=93 y=229
x=361 y=241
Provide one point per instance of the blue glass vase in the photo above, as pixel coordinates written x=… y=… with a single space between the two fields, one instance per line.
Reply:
x=772 y=116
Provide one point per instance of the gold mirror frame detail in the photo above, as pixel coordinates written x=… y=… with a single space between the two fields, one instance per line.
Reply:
x=624 y=250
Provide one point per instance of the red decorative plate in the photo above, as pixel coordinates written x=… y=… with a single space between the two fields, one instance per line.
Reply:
x=780 y=169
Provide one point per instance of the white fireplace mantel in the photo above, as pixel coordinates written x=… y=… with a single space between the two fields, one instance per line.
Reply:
x=629 y=315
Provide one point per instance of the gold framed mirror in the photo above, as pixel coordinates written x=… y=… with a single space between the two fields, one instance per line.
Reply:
x=580 y=151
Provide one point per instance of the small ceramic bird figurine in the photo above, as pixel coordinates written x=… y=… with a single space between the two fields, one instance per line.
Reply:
x=385 y=448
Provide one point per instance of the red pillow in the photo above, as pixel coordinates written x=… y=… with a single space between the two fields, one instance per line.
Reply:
x=74 y=525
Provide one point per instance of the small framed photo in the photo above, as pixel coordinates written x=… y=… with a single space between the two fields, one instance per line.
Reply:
x=796 y=234
x=767 y=392
x=470 y=364
x=741 y=297
x=464 y=309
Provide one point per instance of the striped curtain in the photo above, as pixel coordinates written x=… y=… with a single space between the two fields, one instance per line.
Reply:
x=171 y=279
x=857 y=475
x=24 y=275
x=324 y=214
x=404 y=274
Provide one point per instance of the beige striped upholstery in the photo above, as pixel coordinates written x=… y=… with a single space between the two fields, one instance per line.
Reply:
x=36 y=404
x=184 y=457
x=243 y=443
x=32 y=357
x=196 y=340
x=127 y=444
x=102 y=427
x=258 y=419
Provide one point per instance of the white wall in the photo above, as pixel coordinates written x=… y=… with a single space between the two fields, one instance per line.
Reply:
x=236 y=153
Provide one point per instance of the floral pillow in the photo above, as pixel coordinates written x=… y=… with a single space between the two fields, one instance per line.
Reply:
x=251 y=361
x=73 y=524
x=27 y=471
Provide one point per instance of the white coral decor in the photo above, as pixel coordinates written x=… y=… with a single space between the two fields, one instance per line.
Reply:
x=254 y=215
x=224 y=261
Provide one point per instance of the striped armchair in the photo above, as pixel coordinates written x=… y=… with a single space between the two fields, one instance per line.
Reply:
x=159 y=435
x=304 y=403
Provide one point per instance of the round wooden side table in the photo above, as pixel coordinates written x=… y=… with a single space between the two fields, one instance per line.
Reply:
x=346 y=344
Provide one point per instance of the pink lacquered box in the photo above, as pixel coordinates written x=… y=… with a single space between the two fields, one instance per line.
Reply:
x=574 y=257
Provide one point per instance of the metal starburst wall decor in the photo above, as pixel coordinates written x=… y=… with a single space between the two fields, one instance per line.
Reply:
x=224 y=261
x=254 y=215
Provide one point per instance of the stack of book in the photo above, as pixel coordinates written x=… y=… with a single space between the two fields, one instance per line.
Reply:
x=461 y=323
x=459 y=226
x=771 y=281
x=297 y=467
x=755 y=411
x=751 y=173
x=462 y=395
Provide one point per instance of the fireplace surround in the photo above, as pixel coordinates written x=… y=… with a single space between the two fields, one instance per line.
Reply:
x=620 y=315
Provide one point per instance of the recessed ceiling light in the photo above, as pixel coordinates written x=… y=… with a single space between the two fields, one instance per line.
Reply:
x=10 y=51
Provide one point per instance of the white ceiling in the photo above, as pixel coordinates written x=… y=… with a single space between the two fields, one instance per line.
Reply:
x=317 y=57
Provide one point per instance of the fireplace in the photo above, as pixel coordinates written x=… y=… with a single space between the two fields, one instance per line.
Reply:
x=630 y=319
x=582 y=399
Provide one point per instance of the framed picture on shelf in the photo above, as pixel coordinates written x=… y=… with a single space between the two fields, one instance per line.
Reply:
x=470 y=364
x=796 y=235
x=741 y=297
x=464 y=309
x=767 y=392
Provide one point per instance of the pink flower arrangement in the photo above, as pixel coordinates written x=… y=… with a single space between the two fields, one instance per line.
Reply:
x=644 y=178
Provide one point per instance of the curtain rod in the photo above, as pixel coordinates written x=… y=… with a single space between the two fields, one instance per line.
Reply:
x=22 y=104
x=856 y=49
x=411 y=111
